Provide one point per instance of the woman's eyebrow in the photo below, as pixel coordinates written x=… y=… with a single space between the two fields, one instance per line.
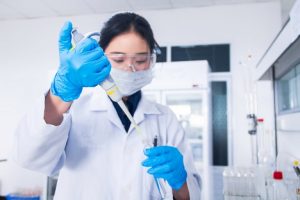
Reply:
x=116 y=52
x=142 y=53
x=139 y=53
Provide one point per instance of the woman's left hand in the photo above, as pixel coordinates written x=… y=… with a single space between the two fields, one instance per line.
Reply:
x=166 y=162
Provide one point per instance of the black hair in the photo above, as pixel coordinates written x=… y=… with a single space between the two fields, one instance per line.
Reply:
x=126 y=22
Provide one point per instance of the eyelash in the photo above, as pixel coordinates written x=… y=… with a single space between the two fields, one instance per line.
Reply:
x=139 y=62
x=118 y=61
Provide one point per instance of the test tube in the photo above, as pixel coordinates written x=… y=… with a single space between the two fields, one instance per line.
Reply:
x=159 y=182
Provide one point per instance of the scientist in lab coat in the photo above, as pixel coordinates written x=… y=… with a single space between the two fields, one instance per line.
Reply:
x=87 y=139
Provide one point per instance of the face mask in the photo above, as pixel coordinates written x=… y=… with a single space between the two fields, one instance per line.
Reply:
x=131 y=82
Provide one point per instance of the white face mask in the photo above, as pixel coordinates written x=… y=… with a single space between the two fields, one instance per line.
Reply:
x=131 y=82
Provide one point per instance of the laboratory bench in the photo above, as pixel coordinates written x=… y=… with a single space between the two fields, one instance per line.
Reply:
x=248 y=184
x=214 y=187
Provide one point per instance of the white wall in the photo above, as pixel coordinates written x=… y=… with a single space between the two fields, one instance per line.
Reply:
x=28 y=51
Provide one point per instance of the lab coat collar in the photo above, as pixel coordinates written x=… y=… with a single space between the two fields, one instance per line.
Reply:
x=100 y=102
x=145 y=107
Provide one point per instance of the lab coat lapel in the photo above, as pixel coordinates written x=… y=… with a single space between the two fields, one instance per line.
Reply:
x=114 y=117
x=144 y=108
x=100 y=102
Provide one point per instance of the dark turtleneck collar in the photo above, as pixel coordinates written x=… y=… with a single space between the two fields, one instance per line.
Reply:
x=132 y=104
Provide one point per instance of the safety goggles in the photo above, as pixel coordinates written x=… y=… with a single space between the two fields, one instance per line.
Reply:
x=132 y=62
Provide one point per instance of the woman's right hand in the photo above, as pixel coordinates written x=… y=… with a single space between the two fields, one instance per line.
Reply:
x=84 y=66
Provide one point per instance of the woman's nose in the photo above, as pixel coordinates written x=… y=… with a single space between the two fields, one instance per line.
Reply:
x=132 y=67
x=130 y=64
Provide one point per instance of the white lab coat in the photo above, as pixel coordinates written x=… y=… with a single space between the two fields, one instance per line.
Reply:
x=95 y=157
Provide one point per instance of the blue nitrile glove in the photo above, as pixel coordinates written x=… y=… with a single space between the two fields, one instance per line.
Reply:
x=84 y=66
x=166 y=162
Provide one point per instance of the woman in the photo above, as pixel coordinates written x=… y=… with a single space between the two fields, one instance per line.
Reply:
x=88 y=139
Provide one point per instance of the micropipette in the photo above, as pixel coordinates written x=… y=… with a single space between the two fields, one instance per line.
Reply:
x=109 y=85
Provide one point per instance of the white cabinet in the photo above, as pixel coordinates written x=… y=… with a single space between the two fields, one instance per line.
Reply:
x=191 y=109
x=184 y=87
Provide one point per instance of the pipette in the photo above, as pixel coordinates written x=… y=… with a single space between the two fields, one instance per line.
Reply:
x=109 y=85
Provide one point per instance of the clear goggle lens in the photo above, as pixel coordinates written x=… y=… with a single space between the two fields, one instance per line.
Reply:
x=136 y=62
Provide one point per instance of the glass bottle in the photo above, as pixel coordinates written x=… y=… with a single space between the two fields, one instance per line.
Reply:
x=280 y=191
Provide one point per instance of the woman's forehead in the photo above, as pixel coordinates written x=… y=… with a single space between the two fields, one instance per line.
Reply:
x=129 y=42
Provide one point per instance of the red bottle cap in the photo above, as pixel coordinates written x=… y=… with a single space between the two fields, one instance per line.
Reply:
x=260 y=119
x=277 y=175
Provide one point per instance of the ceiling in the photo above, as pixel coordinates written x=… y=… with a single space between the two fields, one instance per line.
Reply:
x=28 y=9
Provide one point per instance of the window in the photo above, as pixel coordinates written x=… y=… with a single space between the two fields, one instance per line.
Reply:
x=163 y=56
x=219 y=123
x=289 y=91
x=218 y=56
